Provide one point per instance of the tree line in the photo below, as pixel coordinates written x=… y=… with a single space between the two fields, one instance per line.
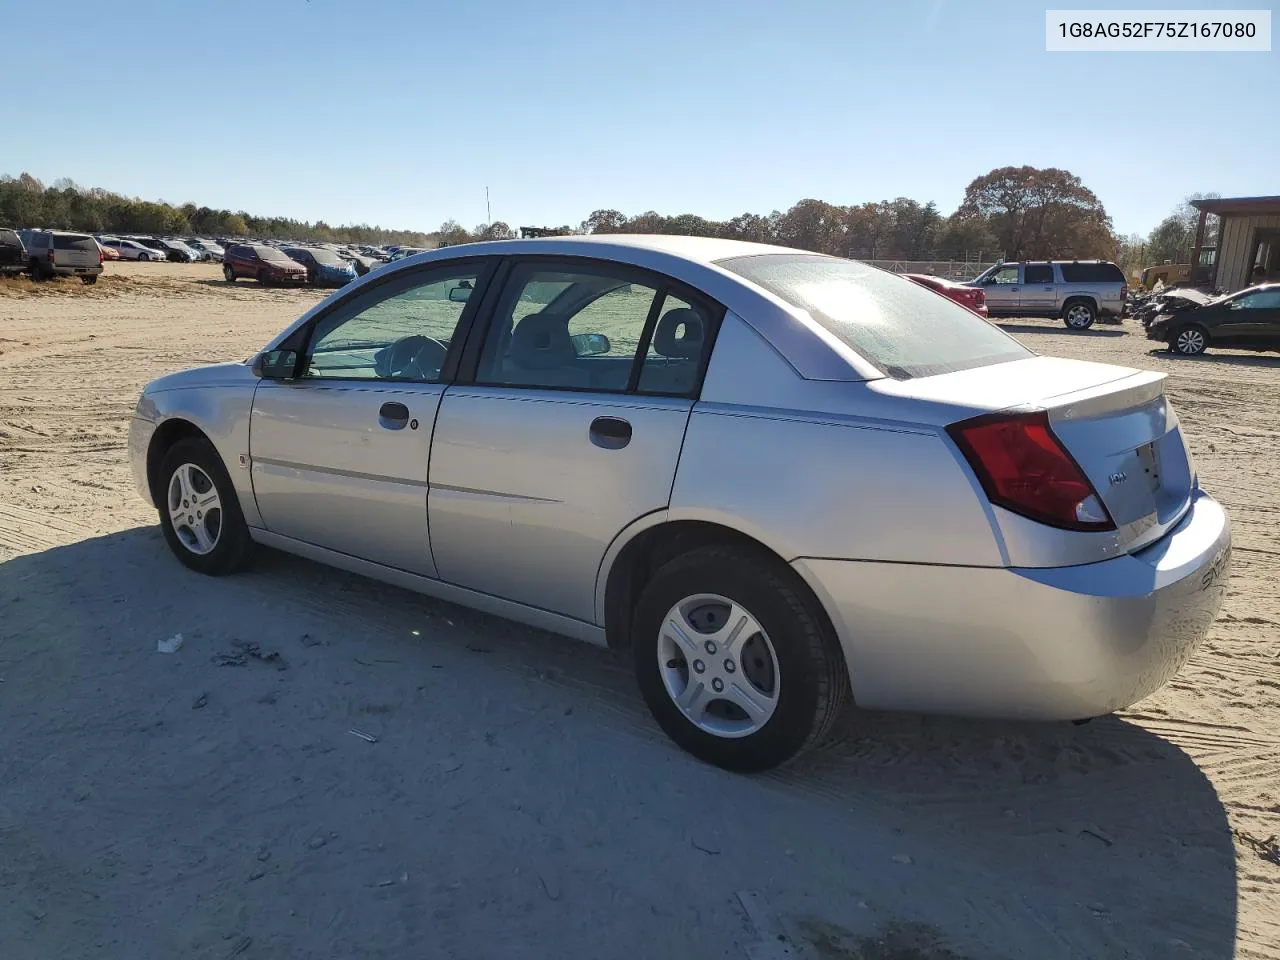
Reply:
x=1010 y=212
x=26 y=202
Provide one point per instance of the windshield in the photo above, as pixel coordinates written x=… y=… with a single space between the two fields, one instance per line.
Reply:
x=272 y=254
x=325 y=256
x=904 y=329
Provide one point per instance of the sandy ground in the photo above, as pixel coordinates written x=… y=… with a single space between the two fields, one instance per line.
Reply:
x=518 y=801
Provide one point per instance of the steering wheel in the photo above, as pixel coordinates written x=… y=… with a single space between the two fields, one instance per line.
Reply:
x=412 y=358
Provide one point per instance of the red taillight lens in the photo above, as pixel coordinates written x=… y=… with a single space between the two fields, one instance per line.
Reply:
x=1024 y=468
x=979 y=298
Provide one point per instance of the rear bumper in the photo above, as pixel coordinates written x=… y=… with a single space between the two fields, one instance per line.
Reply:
x=1043 y=644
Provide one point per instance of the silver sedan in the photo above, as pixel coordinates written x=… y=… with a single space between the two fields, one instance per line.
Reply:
x=778 y=481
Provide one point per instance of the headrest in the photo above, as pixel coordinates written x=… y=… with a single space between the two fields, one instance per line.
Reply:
x=541 y=341
x=680 y=333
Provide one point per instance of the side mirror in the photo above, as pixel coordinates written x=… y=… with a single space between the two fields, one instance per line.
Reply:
x=590 y=344
x=276 y=364
x=459 y=294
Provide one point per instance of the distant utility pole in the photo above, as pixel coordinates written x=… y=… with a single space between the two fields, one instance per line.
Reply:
x=488 y=213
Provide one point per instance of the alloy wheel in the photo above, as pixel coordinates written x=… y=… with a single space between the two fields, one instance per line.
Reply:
x=1078 y=317
x=195 y=509
x=1190 y=342
x=718 y=666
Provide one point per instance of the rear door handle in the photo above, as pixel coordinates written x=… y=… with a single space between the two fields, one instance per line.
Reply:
x=393 y=416
x=611 y=433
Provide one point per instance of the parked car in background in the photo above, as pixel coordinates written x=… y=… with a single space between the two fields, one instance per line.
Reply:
x=599 y=436
x=133 y=250
x=177 y=251
x=1078 y=291
x=13 y=252
x=267 y=265
x=1246 y=320
x=61 y=253
x=402 y=252
x=108 y=252
x=972 y=297
x=212 y=250
x=324 y=267
x=362 y=263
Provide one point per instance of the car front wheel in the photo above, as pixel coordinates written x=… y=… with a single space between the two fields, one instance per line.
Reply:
x=735 y=659
x=1189 y=341
x=199 y=510
x=229 y=273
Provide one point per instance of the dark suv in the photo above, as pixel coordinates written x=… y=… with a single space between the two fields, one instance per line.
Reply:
x=13 y=254
x=259 y=262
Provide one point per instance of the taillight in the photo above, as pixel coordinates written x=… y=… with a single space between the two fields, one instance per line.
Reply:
x=1124 y=291
x=979 y=298
x=49 y=255
x=1023 y=467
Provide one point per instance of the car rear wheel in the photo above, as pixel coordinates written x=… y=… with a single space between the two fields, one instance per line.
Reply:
x=1190 y=341
x=229 y=273
x=1079 y=315
x=89 y=281
x=199 y=510
x=736 y=660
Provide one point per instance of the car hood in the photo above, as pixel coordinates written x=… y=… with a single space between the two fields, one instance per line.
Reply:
x=214 y=375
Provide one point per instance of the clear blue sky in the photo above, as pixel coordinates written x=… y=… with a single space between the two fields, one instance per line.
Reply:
x=400 y=113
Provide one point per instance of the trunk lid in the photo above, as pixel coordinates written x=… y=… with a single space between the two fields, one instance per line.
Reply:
x=1116 y=423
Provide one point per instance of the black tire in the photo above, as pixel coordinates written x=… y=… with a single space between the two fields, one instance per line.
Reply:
x=89 y=281
x=1189 y=341
x=1079 y=314
x=228 y=273
x=37 y=271
x=232 y=548
x=144 y=257
x=813 y=681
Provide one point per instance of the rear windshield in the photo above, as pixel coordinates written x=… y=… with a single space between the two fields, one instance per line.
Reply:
x=1090 y=273
x=10 y=239
x=904 y=329
x=71 y=242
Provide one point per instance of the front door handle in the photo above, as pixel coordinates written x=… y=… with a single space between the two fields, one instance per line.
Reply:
x=393 y=416
x=611 y=433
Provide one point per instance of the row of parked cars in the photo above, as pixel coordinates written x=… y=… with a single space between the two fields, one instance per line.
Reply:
x=47 y=253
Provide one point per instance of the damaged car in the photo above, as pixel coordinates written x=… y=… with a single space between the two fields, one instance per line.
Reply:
x=1247 y=320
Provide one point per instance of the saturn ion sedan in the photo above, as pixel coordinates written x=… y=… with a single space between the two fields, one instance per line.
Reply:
x=777 y=481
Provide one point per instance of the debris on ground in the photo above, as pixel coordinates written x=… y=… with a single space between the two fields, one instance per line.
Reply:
x=1268 y=849
x=363 y=736
x=171 y=645
x=246 y=650
x=200 y=701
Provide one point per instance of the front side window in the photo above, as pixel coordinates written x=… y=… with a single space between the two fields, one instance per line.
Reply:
x=902 y=328
x=1003 y=276
x=402 y=334
x=1260 y=300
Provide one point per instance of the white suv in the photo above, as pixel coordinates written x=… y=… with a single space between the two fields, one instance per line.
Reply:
x=52 y=252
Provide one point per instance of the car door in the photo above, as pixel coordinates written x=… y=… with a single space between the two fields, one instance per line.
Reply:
x=570 y=429
x=339 y=449
x=1251 y=320
x=1004 y=290
x=1039 y=291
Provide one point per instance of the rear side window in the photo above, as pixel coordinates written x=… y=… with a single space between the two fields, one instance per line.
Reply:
x=1091 y=273
x=904 y=329
x=1038 y=273
x=68 y=242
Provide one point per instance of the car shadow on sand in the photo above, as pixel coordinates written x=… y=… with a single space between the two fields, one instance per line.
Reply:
x=1049 y=327
x=1215 y=357
x=995 y=839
